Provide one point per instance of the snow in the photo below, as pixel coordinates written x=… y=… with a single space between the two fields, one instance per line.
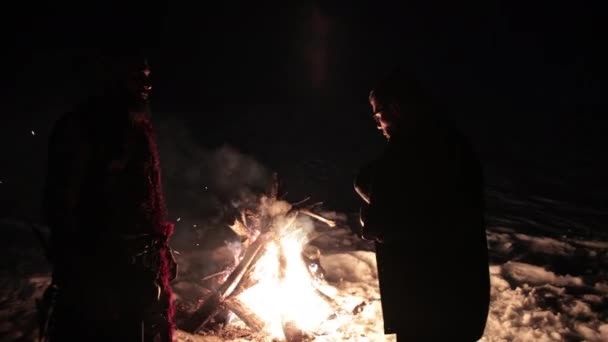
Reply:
x=533 y=301
x=532 y=298
x=536 y=275
x=544 y=288
x=355 y=266
x=545 y=245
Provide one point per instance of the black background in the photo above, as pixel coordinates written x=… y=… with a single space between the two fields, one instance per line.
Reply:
x=287 y=84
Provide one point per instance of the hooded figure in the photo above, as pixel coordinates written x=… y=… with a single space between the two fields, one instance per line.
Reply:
x=424 y=210
x=104 y=205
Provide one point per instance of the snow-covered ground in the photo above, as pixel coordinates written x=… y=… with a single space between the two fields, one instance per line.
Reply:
x=543 y=288
x=547 y=288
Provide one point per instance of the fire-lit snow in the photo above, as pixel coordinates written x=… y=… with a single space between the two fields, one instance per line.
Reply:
x=533 y=297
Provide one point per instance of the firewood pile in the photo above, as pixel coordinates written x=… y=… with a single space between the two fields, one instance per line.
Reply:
x=272 y=221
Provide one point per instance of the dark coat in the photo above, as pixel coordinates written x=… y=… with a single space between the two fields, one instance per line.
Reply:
x=426 y=214
x=104 y=205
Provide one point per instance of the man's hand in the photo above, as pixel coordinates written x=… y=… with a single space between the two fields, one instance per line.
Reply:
x=367 y=233
x=363 y=215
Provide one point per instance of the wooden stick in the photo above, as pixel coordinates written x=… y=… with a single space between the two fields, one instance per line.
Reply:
x=245 y=282
x=274 y=190
x=252 y=320
x=214 y=275
x=328 y=222
x=211 y=305
x=235 y=280
x=297 y=204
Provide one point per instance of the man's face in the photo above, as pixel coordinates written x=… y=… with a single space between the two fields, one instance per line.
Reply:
x=139 y=83
x=382 y=117
x=139 y=88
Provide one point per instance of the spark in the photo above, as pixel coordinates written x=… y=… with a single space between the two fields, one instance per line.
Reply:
x=206 y=188
x=33 y=133
x=194 y=225
x=179 y=219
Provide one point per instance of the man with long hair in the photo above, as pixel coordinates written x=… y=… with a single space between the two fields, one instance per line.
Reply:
x=104 y=205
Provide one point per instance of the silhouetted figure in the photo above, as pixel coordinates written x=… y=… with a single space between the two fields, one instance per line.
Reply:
x=104 y=205
x=424 y=209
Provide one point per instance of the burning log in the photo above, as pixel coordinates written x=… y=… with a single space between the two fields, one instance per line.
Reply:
x=251 y=255
x=272 y=224
x=249 y=317
x=211 y=305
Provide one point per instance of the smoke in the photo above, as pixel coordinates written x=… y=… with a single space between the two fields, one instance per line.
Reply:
x=205 y=189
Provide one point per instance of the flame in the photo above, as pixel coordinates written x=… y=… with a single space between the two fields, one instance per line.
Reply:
x=285 y=292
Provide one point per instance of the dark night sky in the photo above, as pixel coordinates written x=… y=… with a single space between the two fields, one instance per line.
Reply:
x=288 y=85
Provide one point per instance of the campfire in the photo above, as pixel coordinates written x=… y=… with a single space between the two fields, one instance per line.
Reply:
x=277 y=288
